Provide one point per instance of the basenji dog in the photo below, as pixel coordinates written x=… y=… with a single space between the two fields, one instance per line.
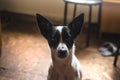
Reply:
x=64 y=65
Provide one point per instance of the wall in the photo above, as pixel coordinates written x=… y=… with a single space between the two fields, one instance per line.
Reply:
x=111 y=18
x=54 y=9
x=0 y=36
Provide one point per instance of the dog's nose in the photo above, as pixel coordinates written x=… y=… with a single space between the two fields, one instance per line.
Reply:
x=62 y=53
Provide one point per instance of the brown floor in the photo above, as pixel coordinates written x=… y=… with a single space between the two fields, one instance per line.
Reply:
x=26 y=56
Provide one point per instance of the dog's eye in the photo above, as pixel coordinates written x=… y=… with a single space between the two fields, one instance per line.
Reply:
x=53 y=42
x=68 y=39
x=52 y=39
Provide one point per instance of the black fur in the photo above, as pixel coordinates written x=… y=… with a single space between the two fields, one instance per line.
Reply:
x=68 y=33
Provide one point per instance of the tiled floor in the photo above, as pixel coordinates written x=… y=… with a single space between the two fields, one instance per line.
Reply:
x=26 y=55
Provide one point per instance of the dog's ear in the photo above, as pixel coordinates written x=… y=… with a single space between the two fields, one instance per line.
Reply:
x=44 y=25
x=76 y=25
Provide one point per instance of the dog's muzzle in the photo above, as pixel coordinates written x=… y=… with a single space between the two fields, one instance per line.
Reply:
x=62 y=53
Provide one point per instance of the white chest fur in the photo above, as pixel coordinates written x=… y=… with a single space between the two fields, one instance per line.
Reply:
x=68 y=69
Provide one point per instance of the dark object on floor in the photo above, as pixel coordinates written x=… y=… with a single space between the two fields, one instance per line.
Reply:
x=111 y=49
x=108 y=49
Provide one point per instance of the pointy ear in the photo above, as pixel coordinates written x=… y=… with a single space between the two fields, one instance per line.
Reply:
x=76 y=25
x=44 y=25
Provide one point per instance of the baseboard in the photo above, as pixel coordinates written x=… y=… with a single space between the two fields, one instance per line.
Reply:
x=8 y=16
x=18 y=16
x=110 y=36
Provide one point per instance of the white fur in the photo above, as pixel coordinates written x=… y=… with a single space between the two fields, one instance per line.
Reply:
x=59 y=28
x=64 y=69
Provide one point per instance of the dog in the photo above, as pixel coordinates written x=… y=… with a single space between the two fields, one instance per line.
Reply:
x=65 y=65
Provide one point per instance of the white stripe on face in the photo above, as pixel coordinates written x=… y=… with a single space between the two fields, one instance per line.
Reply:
x=59 y=28
x=61 y=46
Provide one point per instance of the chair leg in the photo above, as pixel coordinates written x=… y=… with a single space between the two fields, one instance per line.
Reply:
x=115 y=59
x=65 y=13
x=99 y=20
x=89 y=26
x=74 y=13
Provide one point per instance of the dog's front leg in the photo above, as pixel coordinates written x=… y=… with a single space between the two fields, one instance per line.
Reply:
x=77 y=68
x=79 y=78
x=52 y=74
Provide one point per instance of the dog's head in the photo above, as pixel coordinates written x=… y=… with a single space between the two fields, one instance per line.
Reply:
x=60 y=38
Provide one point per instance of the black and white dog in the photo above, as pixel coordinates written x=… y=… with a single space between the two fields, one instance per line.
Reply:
x=65 y=65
